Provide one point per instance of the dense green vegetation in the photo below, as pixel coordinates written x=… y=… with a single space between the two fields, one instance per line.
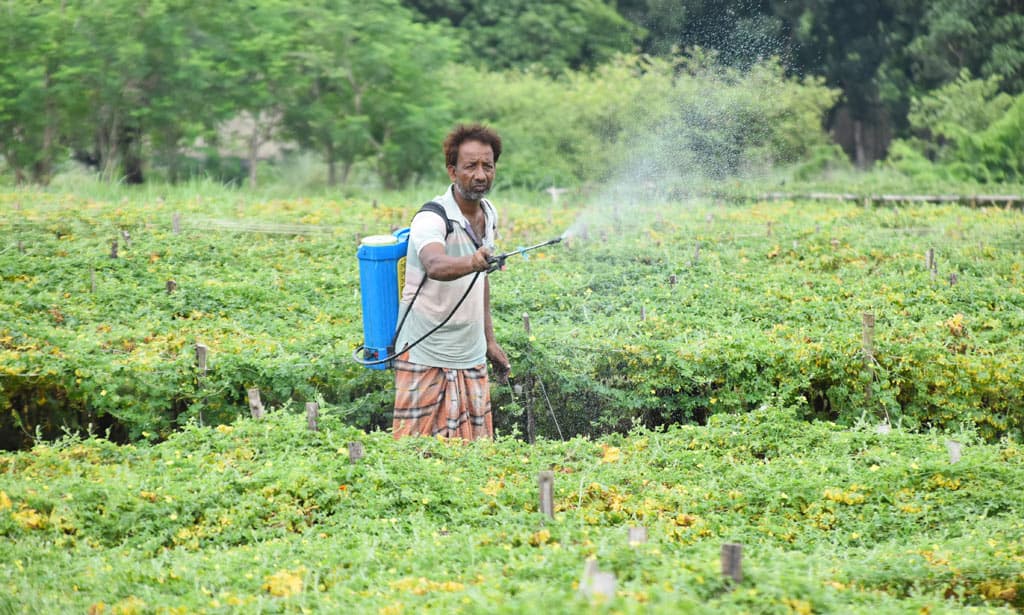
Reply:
x=706 y=357
x=173 y=89
x=767 y=304
x=265 y=516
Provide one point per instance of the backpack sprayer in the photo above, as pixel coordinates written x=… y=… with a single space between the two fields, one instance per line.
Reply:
x=379 y=257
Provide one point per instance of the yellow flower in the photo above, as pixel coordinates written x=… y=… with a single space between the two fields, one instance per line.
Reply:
x=30 y=519
x=5 y=502
x=284 y=583
x=611 y=454
x=539 y=538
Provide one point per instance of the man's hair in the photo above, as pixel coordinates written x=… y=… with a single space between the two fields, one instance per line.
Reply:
x=471 y=132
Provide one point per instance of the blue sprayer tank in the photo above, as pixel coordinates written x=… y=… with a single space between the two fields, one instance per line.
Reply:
x=379 y=257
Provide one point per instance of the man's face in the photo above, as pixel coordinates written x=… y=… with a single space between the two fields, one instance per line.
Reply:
x=473 y=172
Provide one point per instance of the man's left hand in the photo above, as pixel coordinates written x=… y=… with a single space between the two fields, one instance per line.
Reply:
x=499 y=362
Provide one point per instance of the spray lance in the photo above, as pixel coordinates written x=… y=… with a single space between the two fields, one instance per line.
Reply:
x=378 y=273
x=498 y=262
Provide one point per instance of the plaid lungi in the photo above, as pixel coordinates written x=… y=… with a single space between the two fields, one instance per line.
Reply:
x=438 y=401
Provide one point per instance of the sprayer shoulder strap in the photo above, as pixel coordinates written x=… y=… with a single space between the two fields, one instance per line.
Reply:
x=438 y=209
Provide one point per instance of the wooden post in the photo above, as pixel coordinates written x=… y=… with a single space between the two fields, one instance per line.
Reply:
x=545 y=482
x=176 y=223
x=732 y=561
x=127 y=239
x=929 y=259
x=954 y=450
x=255 y=405
x=769 y=228
x=868 y=336
x=531 y=424
x=171 y=286
x=312 y=414
x=355 y=451
x=637 y=535
x=952 y=279
x=696 y=253
x=526 y=323
x=92 y=281
x=603 y=584
x=113 y=249
x=672 y=280
x=596 y=582
x=201 y=350
x=21 y=248
x=643 y=313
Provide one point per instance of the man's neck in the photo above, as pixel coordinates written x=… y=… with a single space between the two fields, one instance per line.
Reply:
x=467 y=207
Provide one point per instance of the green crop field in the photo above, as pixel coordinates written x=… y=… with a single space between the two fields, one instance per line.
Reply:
x=266 y=516
x=658 y=313
x=783 y=375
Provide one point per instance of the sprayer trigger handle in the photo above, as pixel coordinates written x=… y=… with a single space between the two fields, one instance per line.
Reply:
x=496 y=263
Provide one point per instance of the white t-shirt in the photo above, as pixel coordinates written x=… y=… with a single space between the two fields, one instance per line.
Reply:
x=460 y=343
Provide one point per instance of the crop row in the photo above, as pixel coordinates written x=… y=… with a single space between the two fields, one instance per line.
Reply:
x=660 y=314
x=266 y=516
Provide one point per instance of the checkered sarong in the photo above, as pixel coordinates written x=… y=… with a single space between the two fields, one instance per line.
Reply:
x=438 y=401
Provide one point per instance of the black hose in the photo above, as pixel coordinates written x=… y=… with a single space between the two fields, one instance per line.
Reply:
x=361 y=361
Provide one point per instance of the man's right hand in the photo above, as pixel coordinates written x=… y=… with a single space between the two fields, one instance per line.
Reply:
x=479 y=260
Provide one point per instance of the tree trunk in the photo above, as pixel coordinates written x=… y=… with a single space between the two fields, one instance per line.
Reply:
x=254 y=148
x=332 y=166
x=42 y=170
x=346 y=168
x=131 y=155
x=858 y=144
x=106 y=147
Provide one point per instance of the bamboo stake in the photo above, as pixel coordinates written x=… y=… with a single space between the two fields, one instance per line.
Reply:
x=545 y=483
x=732 y=561
x=954 y=448
x=312 y=414
x=637 y=535
x=201 y=350
x=255 y=405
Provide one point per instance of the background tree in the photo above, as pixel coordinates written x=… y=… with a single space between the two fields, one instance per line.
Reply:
x=33 y=94
x=366 y=87
x=256 y=51
x=558 y=34
x=985 y=37
x=740 y=33
x=141 y=77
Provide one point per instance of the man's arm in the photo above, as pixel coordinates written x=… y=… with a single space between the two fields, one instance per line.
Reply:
x=499 y=360
x=440 y=266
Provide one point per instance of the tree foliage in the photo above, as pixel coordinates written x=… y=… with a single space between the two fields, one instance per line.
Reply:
x=365 y=86
x=970 y=129
x=557 y=35
x=642 y=121
x=136 y=87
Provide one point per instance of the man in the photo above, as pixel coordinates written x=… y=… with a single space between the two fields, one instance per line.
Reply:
x=441 y=386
